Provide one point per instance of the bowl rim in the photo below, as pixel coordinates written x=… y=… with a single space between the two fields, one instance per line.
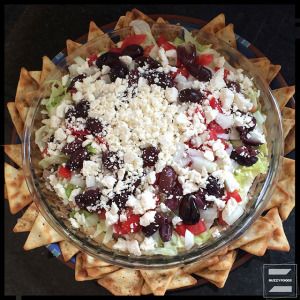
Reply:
x=155 y=262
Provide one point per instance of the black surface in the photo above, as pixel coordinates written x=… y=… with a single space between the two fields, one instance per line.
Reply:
x=34 y=31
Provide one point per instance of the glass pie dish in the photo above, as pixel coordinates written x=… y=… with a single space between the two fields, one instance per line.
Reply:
x=57 y=214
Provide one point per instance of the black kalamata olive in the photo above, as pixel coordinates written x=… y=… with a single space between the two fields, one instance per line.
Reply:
x=133 y=77
x=121 y=199
x=72 y=147
x=173 y=199
x=71 y=88
x=186 y=54
x=70 y=113
x=234 y=86
x=214 y=188
x=188 y=210
x=199 y=72
x=94 y=126
x=82 y=109
x=107 y=59
x=118 y=70
x=245 y=155
x=191 y=95
x=142 y=61
x=111 y=160
x=133 y=51
x=165 y=229
x=200 y=199
x=150 y=156
x=89 y=200
x=167 y=180
x=152 y=227
x=77 y=158
x=159 y=78
x=249 y=126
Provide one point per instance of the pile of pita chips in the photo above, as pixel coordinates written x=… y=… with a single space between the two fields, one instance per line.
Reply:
x=266 y=233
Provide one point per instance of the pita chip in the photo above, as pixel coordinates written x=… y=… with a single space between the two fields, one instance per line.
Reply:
x=260 y=228
x=287 y=125
x=68 y=250
x=218 y=278
x=41 y=234
x=290 y=142
x=214 y=25
x=5 y=192
x=17 y=191
x=277 y=198
x=257 y=247
x=90 y=261
x=159 y=280
x=36 y=75
x=226 y=34
x=137 y=14
x=146 y=289
x=14 y=152
x=48 y=68
x=160 y=20
x=72 y=46
x=262 y=65
x=288 y=186
x=288 y=113
x=200 y=265
x=80 y=272
x=94 y=32
x=124 y=282
x=26 y=222
x=224 y=262
x=16 y=119
x=273 y=71
x=283 y=95
x=288 y=168
x=278 y=240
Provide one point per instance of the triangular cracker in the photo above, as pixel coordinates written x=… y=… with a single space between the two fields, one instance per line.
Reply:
x=283 y=95
x=290 y=141
x=16 y=119
x=48 y=68
x=41 y=234
x=214 y=25
x=97 y=272
x=90 y=261
x=226 y=34
x=68 y=250
x=26 y=222
x=36 y=75
x=288 y=168
x=257 y=247
x=287 y=125
x=273 y=71
x=288 y=113
x=262 y=65
x=80 y=272
x=158 y=280
x=14 y=152
x=137 y=14
x=200 y=265
x=287 y=185
x=258 y=229
x=224 y=262
x=278 y=240
x=160 y=20
x=17 y=191
x=277 y=198
x=72 y=46
x=124 y=282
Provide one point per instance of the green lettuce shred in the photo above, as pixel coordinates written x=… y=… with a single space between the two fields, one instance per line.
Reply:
x=53 y=160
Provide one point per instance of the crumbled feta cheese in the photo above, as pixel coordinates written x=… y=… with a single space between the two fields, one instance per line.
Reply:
x=127 y=60
x=90 y=168
x=210 y=114
x=164 y=208
x=232 y=211
x=242 y=103
x=108 y=181
x=171 y=94
x=54 y=121
x=230 y=182
x=133 y=247
x=148 y=244
x=148 y=200
x=162 y=56
x=148 y=218
x=188 y=240
x=209 y=155
x=176 y=220
x=151 y=177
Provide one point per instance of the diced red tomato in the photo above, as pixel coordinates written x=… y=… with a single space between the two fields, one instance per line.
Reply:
x=101 y=214
x=226 y=72
x=235 y=195
x=116 y=50
x=181 y=70
x=91 y=59
x=195 y=229
x=214 y=126
x=214 y=103
x=147 y=50
x=135 y=39
x=204 y=59
x=100 y=140
x=64 y=172
x=79 y=132
x=132 y=224
x=163 y=42
x=220 y=219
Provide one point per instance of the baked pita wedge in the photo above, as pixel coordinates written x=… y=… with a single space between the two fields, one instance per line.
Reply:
x=290 y=141
x=200 y=265
x=226 y=34
x=80 y=273
x=68 y=250
x=91 y=262
x=214 y=25
x=14 y=152
x=287 y=126
x=26 y=222
x=72 y=46
x=287 y=185
x=262 y=66
x=283 y=95
x=273 y=71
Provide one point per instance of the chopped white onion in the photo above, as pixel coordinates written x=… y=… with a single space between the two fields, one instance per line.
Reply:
x=90 y=181
x=77 y=181
x=198 y=163
x=224 y=136
x=209 y=215
x=188 y=240
x=224 y=121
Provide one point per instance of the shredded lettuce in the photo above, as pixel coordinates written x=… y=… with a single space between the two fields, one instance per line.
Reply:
x=178 y=41
x=141 y=27
x=68 y=189
x=90 y=149
x=202 y=238
x=189 y=38
x=53 y=160
x=260 y=117
x=42 y=135
x=58 y=91
x=108 y=235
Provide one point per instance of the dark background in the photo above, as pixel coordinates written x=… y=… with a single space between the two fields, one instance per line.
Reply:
x=32 y=31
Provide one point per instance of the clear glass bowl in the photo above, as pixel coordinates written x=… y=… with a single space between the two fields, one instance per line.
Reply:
x=57 y=214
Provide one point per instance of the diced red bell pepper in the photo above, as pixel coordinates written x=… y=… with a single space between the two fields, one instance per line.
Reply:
x=226 y=72
x=91 y=59
x=116 y=50
x=100 y=140
x=220 y=219
x=136 y=39
x=101 y=214
x=64 y=172
x=181 y=70
x=235 y=195
x=79 y=132
x=147 y=50
x=132 y=224
x=163 y=42
x=195 y=229
x=204 y=59
x=214 y=103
